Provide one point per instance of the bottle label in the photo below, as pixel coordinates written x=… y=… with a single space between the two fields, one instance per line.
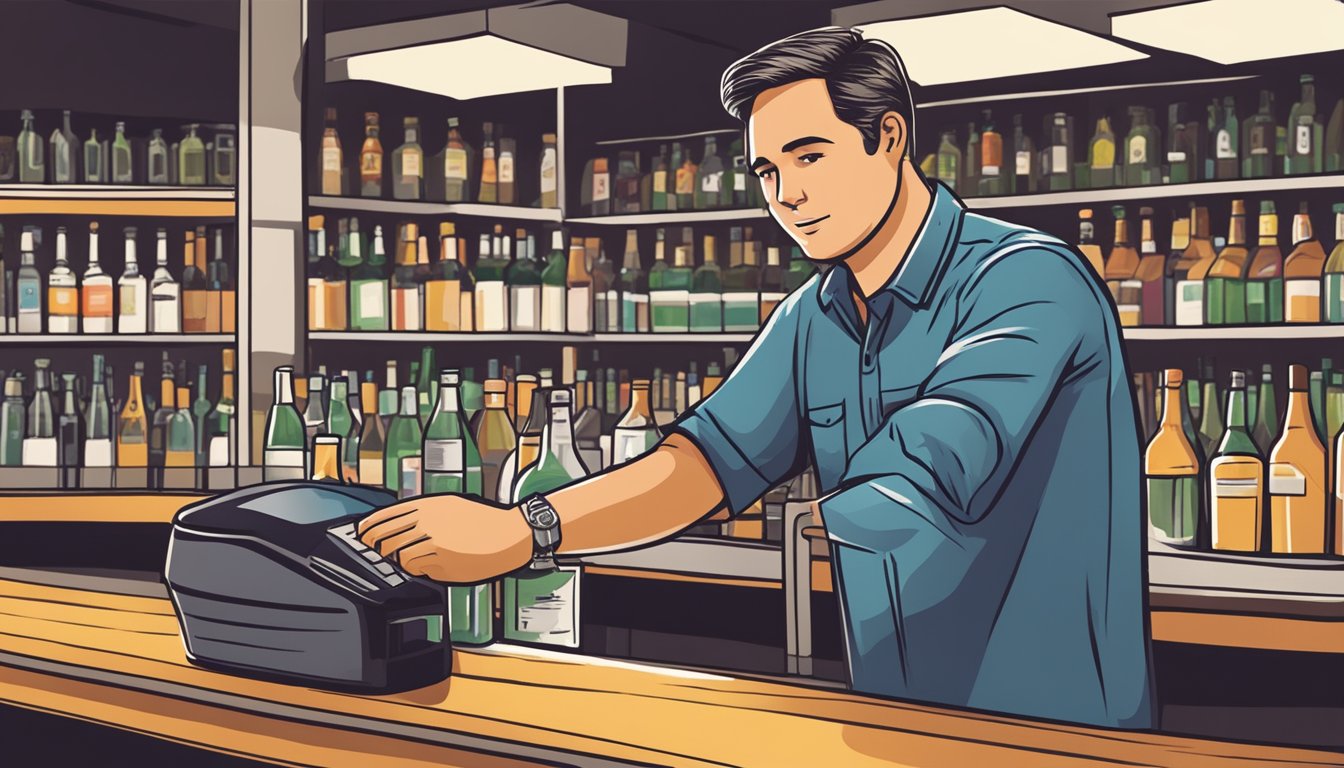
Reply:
x=553 y=309
x=685 y=181
x=64 y=300
x=741 y=312
x=98 y=452
x=1173 y=508
x=492 y=306
x=740 y=179
x=526 y=300
x=547 y=606
x=410 y=477
x=947 y=167
x=1302 y=300
x=1286 y=480
x=660 y=181
x=406 y=309
x=1334 y=298
x=601 y=187
x=371 y=164
x=455 y=164
x=128 y=300
x=220 y=455
x=1022 y=163
x=410 y=164
x=30 y=300
x=1223 y=143
x=1103 y=154
x=39 y=451
x=167 y=314
x=1138 y=150
x=711 y=183
x=1303 y=143
x=371 y=470
x=444 y=456
x=1190 y=302
x=671 y=311
x=579 y=309
x=443 y=305
x=97 y=301
x=331 y=159
x=193 y=166
x=548 y=183
x=371 y=295
x=1175 y=157
x=1236 y=488
x=1059 y=159
x=506 y=169
x=1259 y=140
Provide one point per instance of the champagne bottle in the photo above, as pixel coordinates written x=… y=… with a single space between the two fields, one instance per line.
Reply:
x=452 y=464
x=401 y=460
x=283 y=457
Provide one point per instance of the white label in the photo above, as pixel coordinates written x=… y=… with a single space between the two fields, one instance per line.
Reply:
x=989 y=170
x=283 y=464
x=1022 y=162
x=579 y=310
x=740 y=182
x=410 y=477
x=711 y=183
x=1301 y=289
x=331 y=159
x=371 y=300
x=552 y=616
x=410 y=163
x=455 y=164
x=1286 y=480
x=553 y=308
x=1059 y=160
x=317 y=313
x=98 y=453
x=406 y=309
x=39 y=452
x=1236 y=489
x=506 y=169
x=167 y=317
x=548 y=172
x=1138 y=150
x=1175 y=157
x=526 y=308
x=1225 y=150
x=219 y=451
x=492 y=306
x=601 y=187
x=612 y=304
x=444 y=456
x=1190 y=302
x=1303 y=139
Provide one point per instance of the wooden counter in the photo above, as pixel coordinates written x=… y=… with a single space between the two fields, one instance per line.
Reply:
x=80 y=647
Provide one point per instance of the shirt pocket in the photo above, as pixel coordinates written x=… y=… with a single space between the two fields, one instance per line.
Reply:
x=895 y=398
x=827 y=426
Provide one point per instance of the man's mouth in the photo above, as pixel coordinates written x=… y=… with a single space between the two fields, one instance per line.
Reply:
x=811 y=222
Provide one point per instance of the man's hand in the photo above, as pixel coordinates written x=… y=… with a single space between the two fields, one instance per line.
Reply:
x=450 y=538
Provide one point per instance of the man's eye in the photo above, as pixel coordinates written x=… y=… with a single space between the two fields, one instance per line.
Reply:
x=810 y=157
x=767 y=174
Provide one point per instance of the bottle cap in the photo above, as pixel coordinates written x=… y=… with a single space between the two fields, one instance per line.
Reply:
x=496 y=386
x=1238 y=380
x=560 y=396
x=1174 y=377
x=448 y=377
x=1298 y=379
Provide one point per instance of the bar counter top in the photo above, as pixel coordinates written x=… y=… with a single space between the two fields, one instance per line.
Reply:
x=108 y=650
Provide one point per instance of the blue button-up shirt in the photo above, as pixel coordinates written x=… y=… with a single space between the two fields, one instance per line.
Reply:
x=977 y=445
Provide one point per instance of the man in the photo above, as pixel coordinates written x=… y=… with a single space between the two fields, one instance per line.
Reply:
x=958 y=383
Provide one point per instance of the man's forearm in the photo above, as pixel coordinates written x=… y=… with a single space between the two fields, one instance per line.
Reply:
x=639 y=503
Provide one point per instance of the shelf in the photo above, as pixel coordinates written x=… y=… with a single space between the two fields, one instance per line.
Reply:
x=669 y=137
x=1192 y=189
x=676 y=338
x=145 y=339
x=671 y=217
x=1075 y=91
x=420 y=208
x=518 y=338
x=1236 y=333
x=107 y=200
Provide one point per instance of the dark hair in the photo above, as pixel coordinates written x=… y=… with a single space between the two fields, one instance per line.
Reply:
x=865 y=78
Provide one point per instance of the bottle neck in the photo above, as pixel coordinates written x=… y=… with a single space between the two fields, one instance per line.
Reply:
x=640 y=403
x=1236 y=233
x=227 y=388
x=1236 y=409
x=1301 y=228
x=93 y=249
x=1299 y=408
x=1171 y=408
x=448 y=398
x=1269 y=229
x=558 y=434
x=284 y=388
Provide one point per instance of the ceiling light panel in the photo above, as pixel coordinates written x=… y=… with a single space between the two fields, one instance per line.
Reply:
x=1233 y=31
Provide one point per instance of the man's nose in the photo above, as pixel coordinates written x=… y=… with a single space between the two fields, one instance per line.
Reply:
x=789 y=195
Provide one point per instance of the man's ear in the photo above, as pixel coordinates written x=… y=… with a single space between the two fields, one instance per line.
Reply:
x=893 y=135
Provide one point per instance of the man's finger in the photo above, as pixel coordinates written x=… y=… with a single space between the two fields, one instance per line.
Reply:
x=382 y=516
x=389 y=545
x=379 y=533
x=417 y=558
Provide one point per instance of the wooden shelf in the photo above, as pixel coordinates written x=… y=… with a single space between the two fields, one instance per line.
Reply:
x=141 y=339
x=1192 y=189
x=422 y=208
x=1236 y=333
x=94 y=506
x=107 y=200
x=670 y=218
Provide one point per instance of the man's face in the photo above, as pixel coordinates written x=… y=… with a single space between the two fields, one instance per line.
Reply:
x=822 y=186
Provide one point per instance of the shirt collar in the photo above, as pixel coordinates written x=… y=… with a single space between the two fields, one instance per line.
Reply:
x=934 y=243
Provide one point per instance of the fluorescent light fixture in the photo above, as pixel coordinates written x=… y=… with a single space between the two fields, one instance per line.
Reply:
x=1233 y=31
x=484 y=65
x=992 y=42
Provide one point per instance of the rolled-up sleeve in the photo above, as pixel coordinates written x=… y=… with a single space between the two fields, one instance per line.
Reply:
x=1026 y=318
x=748 y=429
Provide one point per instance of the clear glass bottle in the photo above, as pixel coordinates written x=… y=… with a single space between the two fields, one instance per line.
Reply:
x=369 y=284
x=180 y=433
x=122 y=167
x=637 y=432
x=1237 y=474
x=64 y=153
x=284 y=454
x=315 y=408
x=32 y=165
x=98 y=421
x=452 y=464
x=524 y=281
x=529 y=438
x=492 y=289
x=408 y=163
x=62 y=292
x=164 y=290
x=96 y=292
x=553 y=286
x=578 y=290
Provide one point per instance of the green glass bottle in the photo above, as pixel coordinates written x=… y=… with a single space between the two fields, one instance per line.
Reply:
x=1171 y=471
x=1236 y=474
x=121 y=157
x=1318 y=380
x=13 y=415
x=341 y=423
x=426 y=386
x=1334 y=403
x=1266 y=410
x=553 y=286
x=180 y=440
x=401 y=459
x=1264 y=276
x=1211 y=425
x=670 y=302
x=706 y=297
x=742 y=284
x=191 y=159
x=200 y=411
x=285 y=449
x=368 y=283
x=1225 y=285
x=634 y=289
x=452 y=463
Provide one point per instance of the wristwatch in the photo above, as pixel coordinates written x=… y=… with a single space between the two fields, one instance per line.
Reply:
x=545 y=523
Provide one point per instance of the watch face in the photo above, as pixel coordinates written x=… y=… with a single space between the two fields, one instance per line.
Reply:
x=545 y=518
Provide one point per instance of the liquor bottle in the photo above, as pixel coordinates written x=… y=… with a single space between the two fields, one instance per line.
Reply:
x=372 y=436
x=658 y=185
x=219 y=429
x=95 y=159
x=949 y=161
x=1333 y=301
x=1266 y=410
x=454 y=165
x=1171 y=471
x=524 y=281
x=741 y=286
x=443 y=288
x=62 y=292
x=401 y=459
x=634 y=287
x=194 y=312
x=495 y=435
x=1302 y=273
x=451 y=462
x=13 y=418
x=529 y=437
x=314 y=410
x=1120 y=267
x=489 y=187
x=1180 y=156
x=1305 y=132
x=1318 y=404
x=369 y=286
x=709 y=177
x=625 y=190
x=133 y=425
x=156 y=160
x=64 y=153
x=636 y=433
x=553 y=286
x=405 y=294
x=165 y=292
x=706 y=297
x=1298 y=477
x=606 y=301
x=991 y=170
x=158 y=422
x=970 y=169
x=549 y=180
x=1211 y=425
x=333 y=160
x=1264 y=277
x=557 y=463
x=1237 y=473
x=223 y=292
x=317 y=245
x=1058 y=154
x=180 y=433
x=408 y=163
x=97 y=450
x=333 y=288
x=1258 y=141
x=340 y=423
x=800 y=270
x=578 y=290
x=670 y=301
x=122 y=172
x=200 y=414
x=1225 y=142
x=492 y=290
x=327 y=459
x=30 y=289
x=1151 y=274
x=32 y=167
x=1141 y=150
x=191 y=159
x=1334 y=403
x=1101 y=155
x=1087 y=242
x=426 y=385
x=1225 y=286
x=1189 y=273
x=371 y=159
x=1023 y=179
x=686 y=174
x=284 y=452
x=39 y=440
